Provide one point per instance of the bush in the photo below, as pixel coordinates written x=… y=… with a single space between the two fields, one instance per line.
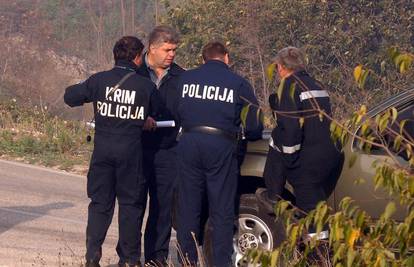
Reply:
x=38 y=137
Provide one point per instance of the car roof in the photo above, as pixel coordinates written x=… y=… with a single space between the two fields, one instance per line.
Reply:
x=402 y=97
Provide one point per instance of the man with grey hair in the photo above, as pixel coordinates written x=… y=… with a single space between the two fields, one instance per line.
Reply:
x=301 y=152
x=159 y=144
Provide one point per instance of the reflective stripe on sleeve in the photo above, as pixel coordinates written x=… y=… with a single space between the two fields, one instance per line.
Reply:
x=313 y=94
x=290 y=149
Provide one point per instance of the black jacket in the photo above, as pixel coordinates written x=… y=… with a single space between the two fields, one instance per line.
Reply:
x=164 y=137
x=212 y=95
x=124 y=112
x=307 y=145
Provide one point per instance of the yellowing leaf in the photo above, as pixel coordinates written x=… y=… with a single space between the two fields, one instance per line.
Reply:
x=403 y=62
x=350 y=257
x=270 y=71
x=402 y=124
x=292 y=91
x=360 y=76
x=393 y=53
x=397 y=142
x=403 y=67
x=294 y=235
x=357 y=73
x=363 y=79
x=394 y=114
x=363 y=109
x=353 y=237
x=274 y=258
x=243 y=114
x=301 y=121
x=389 y=210
x=280 y=89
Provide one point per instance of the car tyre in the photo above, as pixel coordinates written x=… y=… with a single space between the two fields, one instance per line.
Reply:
x=253 y=229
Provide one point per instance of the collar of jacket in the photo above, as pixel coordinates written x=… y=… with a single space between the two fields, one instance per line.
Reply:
x=174 y=70
x=216 y=62
x=300 y=73
x=126 y=64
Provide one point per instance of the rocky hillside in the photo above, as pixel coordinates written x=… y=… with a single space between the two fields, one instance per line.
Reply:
x=34 y=75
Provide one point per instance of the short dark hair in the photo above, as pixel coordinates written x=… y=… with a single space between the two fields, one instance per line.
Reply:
x=214 y=49
x=163 y=34
x=127 y=48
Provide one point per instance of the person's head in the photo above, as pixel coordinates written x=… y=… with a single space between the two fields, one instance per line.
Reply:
x=128 y=48
x=162 y=45
x=289 y=60
x=215 y=50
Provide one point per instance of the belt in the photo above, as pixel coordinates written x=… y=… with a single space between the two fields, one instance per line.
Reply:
x=211 y=131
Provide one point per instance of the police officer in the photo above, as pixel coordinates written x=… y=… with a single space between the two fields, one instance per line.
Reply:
x=211 y=100
x=159 y=143
x=301 y=152
x=121 y=100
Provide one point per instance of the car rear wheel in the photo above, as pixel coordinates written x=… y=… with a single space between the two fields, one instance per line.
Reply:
x=253 y=229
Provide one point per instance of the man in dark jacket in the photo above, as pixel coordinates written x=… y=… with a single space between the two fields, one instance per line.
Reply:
x=211 y=102
x=159 y=144
x=301 y=149
x=121 y=101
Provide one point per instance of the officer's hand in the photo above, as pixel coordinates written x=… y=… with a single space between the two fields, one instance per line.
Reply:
x=150 y=124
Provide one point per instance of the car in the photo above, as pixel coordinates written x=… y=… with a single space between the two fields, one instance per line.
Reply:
x=255 y=228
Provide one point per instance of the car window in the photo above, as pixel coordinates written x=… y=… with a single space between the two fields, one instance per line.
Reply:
x=405 y=112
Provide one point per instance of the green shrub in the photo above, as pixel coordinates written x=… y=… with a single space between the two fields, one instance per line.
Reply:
x=38 y=137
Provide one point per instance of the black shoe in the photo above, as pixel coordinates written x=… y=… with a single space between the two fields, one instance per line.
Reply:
x=92 y=264
x=264 y=201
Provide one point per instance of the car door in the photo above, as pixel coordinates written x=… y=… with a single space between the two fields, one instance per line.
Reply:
x=357 y=181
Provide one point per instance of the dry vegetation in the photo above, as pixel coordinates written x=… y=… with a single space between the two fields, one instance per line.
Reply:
x=47 y=45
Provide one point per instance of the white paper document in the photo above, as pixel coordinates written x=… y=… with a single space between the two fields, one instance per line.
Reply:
x=163 y=124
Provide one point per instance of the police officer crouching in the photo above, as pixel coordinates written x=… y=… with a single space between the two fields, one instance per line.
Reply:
x=121 y=100
x=303 y=154
x=211 y=100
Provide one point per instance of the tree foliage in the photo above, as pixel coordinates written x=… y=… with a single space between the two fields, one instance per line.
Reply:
x=335 y=35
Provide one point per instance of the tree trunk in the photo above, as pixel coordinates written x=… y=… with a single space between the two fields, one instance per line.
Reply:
x=156 y=12
x=62 y=19
x=123 y=17
x=132 y=16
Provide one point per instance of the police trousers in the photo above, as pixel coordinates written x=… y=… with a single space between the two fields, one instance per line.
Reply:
x=115 y=172
x=207 y=165
x=160 y=170
x=311 y=183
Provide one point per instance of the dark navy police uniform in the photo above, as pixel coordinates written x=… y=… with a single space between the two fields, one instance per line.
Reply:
x=116 y=166
x=211 y=100
x=305 y=155
x=160 y=167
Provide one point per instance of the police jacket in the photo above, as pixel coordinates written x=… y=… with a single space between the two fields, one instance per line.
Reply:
x=212 y=95
x=124 y=112
x=301 y=134
x=168 y=91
